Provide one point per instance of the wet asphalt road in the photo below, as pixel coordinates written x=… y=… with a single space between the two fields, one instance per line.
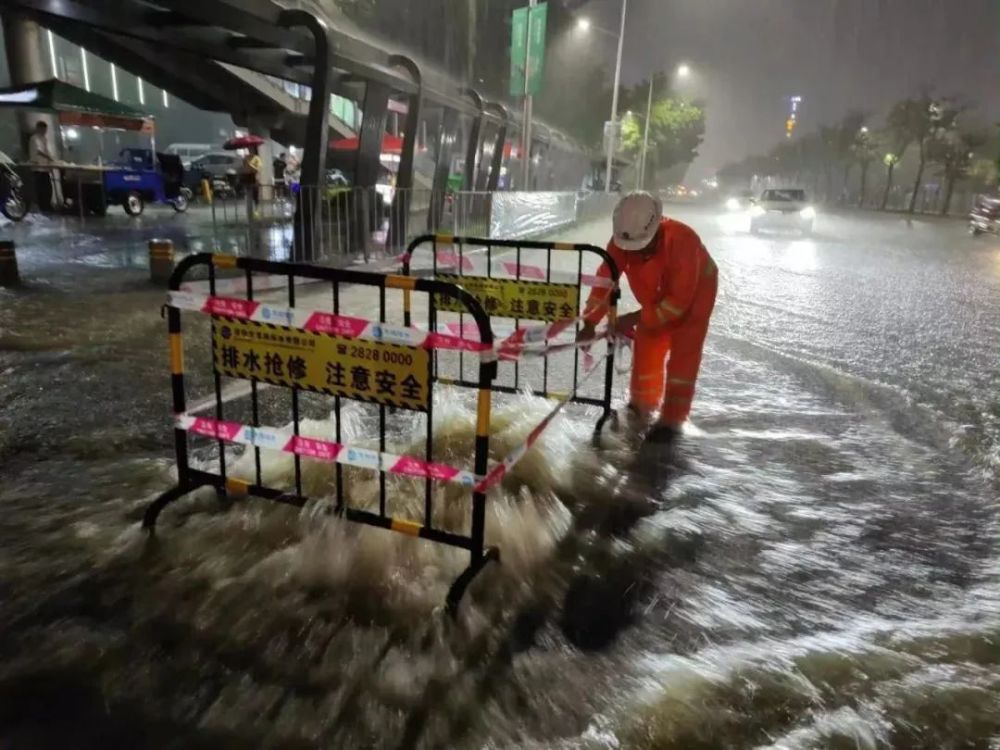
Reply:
x=815 y=567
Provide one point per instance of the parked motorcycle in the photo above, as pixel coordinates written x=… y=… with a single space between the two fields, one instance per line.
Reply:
x=12 y=201
x=985 y=216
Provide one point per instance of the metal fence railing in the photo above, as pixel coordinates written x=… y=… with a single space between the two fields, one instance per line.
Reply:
x=370 y=224
x=350 y=223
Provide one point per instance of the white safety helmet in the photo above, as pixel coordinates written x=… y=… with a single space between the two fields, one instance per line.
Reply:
x=636 y=219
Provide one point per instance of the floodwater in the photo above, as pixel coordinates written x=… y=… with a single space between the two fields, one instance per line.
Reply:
x=814 y=566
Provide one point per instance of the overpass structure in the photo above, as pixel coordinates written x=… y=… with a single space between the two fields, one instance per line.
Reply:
x=233 y=55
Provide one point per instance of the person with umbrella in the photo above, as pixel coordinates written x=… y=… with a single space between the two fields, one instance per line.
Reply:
x=250 y=172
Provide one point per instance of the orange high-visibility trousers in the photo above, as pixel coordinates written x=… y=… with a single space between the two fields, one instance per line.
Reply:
x=666 y=360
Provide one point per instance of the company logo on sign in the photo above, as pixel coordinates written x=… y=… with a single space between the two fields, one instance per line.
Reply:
x=262 y=438
x=282 y=316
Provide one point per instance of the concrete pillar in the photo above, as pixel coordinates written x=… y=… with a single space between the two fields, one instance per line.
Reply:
x=26 y=63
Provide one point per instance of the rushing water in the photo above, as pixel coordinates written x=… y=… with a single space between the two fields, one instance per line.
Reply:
x=814 y=566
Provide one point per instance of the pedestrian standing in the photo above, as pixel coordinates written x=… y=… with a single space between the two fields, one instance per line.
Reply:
x=250 y=178
x=40 y=154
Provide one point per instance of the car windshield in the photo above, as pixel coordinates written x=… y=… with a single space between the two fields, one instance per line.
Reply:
x=784 y=195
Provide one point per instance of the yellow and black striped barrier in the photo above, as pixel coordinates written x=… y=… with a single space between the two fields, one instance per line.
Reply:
x=507 y=285
x=161 y=261
x=306 y=351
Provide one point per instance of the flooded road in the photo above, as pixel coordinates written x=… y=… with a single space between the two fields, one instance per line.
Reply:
x=814 y=567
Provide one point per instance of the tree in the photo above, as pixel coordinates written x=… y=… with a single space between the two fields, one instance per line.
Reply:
x=954 y=152
x=891 y=159
x=676 y=129
x=920 y=119
x=846 y=134
x=864 y=151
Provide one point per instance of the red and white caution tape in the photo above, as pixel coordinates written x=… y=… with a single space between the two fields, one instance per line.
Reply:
x=533 y=341
x=498 y=472
x=507 y=270
x=285 y=441
x=313 y=321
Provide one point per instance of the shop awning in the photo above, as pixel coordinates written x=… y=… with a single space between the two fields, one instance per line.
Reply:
x=75 y=106
x=391 y=144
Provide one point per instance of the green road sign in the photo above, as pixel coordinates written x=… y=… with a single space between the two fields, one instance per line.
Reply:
x=518 y=49
x=527 y=42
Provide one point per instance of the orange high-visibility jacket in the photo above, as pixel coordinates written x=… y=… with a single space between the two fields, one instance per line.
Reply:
x=664 y=284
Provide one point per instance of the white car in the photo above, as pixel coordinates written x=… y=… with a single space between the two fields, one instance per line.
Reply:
x=784 y=208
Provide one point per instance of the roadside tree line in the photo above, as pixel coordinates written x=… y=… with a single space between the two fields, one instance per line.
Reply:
x=923 y=136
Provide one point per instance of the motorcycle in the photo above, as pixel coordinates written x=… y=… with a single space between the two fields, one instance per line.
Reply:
x=985 y=216
x=12 y=201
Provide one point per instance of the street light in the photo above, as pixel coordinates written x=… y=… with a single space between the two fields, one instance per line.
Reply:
x=614 y=100
x=583 y=24
x=683 y=70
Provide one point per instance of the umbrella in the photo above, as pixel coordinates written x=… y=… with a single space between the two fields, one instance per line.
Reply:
x=243 y=141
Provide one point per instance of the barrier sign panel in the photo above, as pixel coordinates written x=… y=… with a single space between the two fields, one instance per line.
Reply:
x=515 y=298
x=389 y=374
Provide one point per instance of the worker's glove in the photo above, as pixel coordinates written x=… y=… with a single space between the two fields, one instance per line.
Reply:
x=625 y=325
x=586 y=332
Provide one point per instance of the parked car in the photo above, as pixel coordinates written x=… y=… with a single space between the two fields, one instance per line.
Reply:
x=220 y=168
x=217 y=164
x=188 y=152
x=782 y=208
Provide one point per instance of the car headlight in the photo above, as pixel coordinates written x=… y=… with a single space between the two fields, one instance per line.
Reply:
x=808 y=213
x=732 y=204
x=757 y=211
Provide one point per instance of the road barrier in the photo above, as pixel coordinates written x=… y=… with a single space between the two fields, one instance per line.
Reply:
x=393 y=367
x=334 y=354
x=507 y=286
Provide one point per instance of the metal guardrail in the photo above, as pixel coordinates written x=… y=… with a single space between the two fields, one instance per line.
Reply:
x=366 y=224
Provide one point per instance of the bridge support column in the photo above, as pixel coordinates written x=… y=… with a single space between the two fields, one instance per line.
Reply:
x=307 y=212
x=23 y=40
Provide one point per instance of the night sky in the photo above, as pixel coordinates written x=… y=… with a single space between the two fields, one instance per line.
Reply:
x=751 y=55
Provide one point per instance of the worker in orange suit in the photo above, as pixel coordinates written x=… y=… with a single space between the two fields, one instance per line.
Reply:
x=674 y=280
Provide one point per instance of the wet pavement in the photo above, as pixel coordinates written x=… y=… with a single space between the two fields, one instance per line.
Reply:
x=815 y=565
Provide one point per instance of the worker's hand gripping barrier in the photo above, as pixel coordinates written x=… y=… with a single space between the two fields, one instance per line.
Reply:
x=344 y=357
x=549 y=296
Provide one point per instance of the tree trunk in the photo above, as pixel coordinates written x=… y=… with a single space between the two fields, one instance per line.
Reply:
x=847 y=178
x=863 y=189
x=948 y=191
x=888 y=187
x=916 y=185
